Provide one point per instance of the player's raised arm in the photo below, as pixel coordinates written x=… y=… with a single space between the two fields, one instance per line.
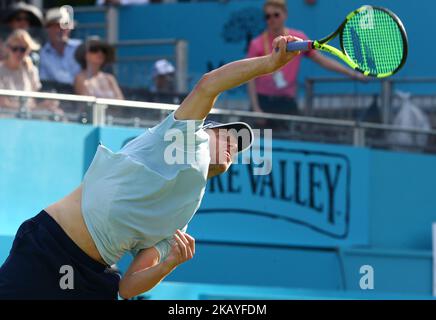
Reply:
x=201 y=100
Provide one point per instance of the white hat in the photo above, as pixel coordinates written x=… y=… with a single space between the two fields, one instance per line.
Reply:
x=59 y=15
x=162 y=67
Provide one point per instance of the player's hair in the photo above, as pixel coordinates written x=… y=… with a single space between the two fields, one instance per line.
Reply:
x=23 y=36
x=276 y=3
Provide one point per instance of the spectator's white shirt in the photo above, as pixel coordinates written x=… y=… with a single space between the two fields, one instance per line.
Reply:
x=125 y=2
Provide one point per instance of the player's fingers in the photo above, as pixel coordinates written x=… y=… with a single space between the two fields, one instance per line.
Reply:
x=282 y=43
x=278 y=43
x=292 y=39
x=182 y=246
x=182 y=236
x=191 y=242
x=275 y=42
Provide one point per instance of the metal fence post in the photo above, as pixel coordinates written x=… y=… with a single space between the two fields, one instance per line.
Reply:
x=24 y=107
x=99 y=114
x=182 y=66
x=386 y=101
x=309 y=84
x=358 y=136
x=112 y=24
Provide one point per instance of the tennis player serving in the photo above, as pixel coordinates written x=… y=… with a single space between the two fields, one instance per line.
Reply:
x=133 y=201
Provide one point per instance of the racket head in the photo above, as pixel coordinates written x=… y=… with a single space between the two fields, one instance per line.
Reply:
x=374 y=38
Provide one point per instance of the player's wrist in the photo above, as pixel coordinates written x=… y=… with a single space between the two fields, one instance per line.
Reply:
x=168 y=265
x=271 y=64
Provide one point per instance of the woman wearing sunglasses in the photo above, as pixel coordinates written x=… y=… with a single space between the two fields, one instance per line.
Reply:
x=276 y=93
x=93 y=56
x=17 y=72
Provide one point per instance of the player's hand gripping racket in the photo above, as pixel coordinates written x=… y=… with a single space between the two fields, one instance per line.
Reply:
x=373 y=41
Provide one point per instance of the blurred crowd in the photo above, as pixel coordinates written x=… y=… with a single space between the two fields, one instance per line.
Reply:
x=38 y=53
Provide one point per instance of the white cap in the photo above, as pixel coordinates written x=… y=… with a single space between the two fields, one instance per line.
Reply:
x=162 y=67
x=59 y=15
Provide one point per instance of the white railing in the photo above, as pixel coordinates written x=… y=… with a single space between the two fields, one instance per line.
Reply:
x=100 y=105
x=385 y=94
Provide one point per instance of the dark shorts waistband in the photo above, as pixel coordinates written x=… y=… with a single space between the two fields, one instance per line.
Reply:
x=66 y=242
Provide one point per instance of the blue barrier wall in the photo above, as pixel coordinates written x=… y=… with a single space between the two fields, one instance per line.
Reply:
x=217 y=32
x=40 y=163
x=391 y=210
x=401 y=200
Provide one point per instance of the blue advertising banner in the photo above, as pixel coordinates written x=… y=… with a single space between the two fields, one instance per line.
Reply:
x=314 y=195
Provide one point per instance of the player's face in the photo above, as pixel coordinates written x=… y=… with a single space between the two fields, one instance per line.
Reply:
x=223 y=146
x=275 y=17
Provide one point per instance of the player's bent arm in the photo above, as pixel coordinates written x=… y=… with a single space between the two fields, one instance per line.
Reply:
x=143 y=274
x=201 y=100
x=146 y=271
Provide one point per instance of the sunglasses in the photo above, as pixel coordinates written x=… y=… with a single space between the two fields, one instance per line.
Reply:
x=18 y=49
x=269 y=15
x=94 y=49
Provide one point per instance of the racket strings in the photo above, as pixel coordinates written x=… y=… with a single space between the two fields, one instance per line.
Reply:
x=373 y=39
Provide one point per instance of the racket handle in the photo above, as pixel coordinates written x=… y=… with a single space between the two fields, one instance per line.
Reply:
x=299 y=45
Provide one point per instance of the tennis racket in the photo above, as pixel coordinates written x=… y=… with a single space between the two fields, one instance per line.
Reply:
x=373 y=41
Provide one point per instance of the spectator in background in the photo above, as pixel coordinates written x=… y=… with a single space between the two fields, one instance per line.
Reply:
x=163 y=77
x=92 y=56
x=25 y=16
x=17 y=71
x=21 y=15
x=57 y=56
x=276 y=93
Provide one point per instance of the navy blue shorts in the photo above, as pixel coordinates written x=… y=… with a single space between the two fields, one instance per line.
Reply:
x=44 y=263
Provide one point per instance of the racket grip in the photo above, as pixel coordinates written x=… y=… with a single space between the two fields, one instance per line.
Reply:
x=299 y=46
